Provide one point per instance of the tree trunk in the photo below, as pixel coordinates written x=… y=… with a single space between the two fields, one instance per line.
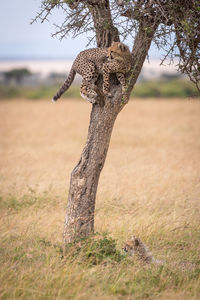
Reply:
x=79 y=221
x=106 y=32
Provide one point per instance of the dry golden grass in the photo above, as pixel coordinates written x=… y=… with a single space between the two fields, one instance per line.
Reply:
x=150 y=187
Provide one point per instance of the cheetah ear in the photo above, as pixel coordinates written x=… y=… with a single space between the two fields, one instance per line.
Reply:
x=136 y=241
x=122 y=47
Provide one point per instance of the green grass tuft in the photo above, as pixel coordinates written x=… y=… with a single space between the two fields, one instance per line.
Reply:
x=94 y=250
x=28 y=200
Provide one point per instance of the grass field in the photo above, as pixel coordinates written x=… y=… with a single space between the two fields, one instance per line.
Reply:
x=150 y=187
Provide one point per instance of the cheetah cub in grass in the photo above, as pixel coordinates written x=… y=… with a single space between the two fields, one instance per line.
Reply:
x=92 y=62
x=135 y=247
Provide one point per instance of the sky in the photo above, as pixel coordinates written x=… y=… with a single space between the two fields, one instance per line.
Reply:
x=20 y=40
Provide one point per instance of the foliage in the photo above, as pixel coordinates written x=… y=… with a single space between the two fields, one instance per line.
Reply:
x=177 y=22
x=34 y=93
x=10 y=92
x=17 y=74
x=165 y=89
x=94 y=250
x=146 y=89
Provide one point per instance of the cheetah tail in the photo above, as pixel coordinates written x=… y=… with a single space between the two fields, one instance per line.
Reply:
x=65 y=86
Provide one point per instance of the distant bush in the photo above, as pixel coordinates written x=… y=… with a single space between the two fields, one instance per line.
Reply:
x=166 y=89
x=17 y=74
x=7 y=92
x=41 y=92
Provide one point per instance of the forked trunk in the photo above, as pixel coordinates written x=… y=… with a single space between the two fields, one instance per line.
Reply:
x=79 y=221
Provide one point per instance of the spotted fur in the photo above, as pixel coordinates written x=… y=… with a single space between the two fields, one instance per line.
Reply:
x=119 y=62
x=88 y=64
x=135 y=247
x=92 y=62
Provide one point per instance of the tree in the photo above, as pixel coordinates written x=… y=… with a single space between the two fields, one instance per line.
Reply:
x=171 y=25
x=17 y=74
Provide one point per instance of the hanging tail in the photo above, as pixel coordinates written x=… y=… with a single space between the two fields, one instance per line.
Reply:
x=65 y=86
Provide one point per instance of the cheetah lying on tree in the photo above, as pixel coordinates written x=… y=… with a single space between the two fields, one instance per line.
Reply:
x=92 y=62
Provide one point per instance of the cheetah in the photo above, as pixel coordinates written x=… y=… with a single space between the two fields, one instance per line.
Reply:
x=119 y=62
x=135 y=247
x=92 y=62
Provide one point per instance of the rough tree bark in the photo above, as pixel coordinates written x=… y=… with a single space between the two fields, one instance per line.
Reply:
x=79 y=221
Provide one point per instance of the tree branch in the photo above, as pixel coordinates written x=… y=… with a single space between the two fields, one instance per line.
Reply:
x=106 y=32
x=140 y=50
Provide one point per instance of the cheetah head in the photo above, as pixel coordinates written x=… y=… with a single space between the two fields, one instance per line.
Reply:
x=118 y=49
x=131 y=245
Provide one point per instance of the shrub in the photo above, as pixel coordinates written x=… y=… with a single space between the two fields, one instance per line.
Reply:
x=94 y=250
